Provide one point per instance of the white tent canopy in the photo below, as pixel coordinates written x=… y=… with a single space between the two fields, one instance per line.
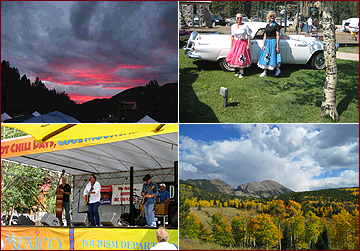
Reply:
x=147 y=153
x=5 y=116
x=147 y=119
x=36 y=114
x=52 y=117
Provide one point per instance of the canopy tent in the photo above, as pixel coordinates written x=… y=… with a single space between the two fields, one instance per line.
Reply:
x=52 y=117
x=94 y=148
x=147 y=120
x=36 y=114
x=5 y=116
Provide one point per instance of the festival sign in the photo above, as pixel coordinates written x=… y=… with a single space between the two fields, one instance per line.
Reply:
x=35 y=238
x=60 y=238
x=85 y=135
x=119 y=238
x=121 y=193
x=106 y=193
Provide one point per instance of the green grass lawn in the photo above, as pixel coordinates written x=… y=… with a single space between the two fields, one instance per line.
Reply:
x=292 y=97
x=349 y=49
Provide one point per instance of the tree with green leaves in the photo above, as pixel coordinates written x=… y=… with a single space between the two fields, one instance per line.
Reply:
x=221 y=230
x=313 y=228
x=239 y=230
x=184 y=210
x=191 y=226
x=21 y=185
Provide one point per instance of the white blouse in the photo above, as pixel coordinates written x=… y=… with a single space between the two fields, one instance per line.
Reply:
x=240 y=33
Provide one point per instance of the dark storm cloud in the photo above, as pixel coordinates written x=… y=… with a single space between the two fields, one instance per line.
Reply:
x=132 y=41
x=80 y=15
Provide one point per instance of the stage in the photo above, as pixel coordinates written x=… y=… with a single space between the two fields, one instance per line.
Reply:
x=81 y=238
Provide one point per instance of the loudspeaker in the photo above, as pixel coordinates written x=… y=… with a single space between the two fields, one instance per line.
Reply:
x=173 y=215
x=23 y=220
x=140 y=222
x=109 y=219
x=50 y=220
x=80 y=219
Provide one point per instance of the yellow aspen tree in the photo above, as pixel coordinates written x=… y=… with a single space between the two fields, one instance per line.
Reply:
x=296 y=224
x=277 y=208
x=341 y=231
x=355 y=229
x=266 y=232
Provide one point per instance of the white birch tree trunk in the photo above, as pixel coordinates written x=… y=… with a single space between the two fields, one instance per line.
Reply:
x=328 y=106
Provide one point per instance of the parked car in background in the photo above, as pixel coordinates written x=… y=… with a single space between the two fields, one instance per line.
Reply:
x=217 y=20
x=281 y=22
x=295 y=49
x=354 y=25
x=351 y=24
x=345 y=25
x=232 y=20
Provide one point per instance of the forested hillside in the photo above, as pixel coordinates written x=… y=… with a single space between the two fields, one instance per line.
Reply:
x=324 y=219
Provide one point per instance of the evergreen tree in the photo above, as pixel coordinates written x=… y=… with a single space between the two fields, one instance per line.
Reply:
x=323 y=241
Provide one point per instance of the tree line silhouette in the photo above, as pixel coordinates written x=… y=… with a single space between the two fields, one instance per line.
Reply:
x=20 y=96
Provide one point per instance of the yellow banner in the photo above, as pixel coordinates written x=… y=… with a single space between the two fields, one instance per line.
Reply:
x=35 y=238
x=58 y=238
x=119 y=238
x=55 y=132
x=29 y=145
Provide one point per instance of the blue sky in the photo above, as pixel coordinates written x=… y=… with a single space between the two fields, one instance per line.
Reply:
x=299 y=156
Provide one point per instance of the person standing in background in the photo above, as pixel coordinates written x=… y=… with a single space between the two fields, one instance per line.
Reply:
x=66 y=190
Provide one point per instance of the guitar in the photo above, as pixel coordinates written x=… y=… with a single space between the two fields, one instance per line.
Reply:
x=144 y=199
x=87 y=196
x=59 y=199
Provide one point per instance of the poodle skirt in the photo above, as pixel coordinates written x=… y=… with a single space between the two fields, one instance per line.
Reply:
x=239 y=55
x=269 y=59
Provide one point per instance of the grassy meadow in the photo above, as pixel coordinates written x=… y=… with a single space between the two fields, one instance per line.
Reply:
x=292 y=97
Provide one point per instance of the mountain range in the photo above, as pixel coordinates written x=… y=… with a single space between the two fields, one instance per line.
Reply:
x=264 y=189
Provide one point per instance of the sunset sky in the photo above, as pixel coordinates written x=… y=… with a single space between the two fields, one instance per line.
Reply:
x=301 y=157
x=91 y=49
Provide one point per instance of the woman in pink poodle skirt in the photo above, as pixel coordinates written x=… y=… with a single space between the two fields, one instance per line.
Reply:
x=239 y=54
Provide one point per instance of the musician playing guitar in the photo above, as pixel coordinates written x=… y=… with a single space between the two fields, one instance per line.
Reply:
x=92 y=194
x=65 y=189
x=149 y=193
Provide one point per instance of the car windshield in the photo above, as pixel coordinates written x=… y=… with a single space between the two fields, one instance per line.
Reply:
x=260 y=34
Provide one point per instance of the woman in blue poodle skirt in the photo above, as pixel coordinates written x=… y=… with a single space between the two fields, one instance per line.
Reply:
x=270 y=57
x=239 y=54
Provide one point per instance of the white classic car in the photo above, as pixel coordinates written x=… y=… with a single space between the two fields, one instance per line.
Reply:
x=295 y=49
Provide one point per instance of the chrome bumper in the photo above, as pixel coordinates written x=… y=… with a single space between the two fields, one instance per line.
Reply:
x=193 y=56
